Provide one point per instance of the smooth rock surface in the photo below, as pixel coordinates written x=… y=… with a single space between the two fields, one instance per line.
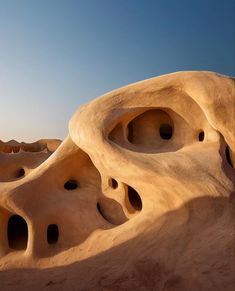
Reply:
x=139 y=196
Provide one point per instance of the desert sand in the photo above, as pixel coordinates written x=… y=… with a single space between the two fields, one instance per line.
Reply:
x=139 y=196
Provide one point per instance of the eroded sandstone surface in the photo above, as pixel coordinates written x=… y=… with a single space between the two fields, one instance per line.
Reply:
x=139 y=196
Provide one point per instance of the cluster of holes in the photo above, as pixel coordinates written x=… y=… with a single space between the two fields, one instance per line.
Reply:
x=18 y=229
x=17 y=232
x=148 y=129
x=133 y=197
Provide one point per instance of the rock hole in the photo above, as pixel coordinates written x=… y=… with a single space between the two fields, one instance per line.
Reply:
x=20 y=173
x=71 y=185
x=165 y=131
x=17 y=233
x=228 y=156
x=113 y=183
x=147 y=132
x=201 y=136
x=52 y=234
x=130 y=130
x=134 y=199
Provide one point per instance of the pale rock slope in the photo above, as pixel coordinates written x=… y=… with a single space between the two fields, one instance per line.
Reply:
x=139 y=196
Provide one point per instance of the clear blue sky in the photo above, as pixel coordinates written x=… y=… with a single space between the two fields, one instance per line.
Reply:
x=56 y=55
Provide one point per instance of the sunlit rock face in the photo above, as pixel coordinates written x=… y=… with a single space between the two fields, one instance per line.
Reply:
x=139 y=196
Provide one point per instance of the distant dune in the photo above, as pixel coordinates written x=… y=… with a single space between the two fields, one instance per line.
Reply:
x=139 y=196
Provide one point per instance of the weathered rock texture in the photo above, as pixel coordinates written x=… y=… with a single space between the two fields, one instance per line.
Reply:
x=139 y=196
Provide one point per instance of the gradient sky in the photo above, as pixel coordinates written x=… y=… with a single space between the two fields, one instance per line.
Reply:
x=56 y=55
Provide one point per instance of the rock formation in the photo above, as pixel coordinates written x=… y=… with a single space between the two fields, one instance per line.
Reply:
x=139 y=196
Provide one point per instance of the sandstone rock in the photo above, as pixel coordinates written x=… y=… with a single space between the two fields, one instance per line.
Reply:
x=139 y=196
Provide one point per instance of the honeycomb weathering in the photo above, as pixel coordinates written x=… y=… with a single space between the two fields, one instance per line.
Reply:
x=139 y=196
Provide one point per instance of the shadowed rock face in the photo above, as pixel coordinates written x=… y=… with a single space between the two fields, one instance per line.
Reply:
x=140 y=195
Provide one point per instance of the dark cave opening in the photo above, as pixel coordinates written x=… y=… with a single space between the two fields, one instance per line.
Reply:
x=201 y=136
x=17 y=233
x=166 y=131
x=52 y=234
x=134 y=199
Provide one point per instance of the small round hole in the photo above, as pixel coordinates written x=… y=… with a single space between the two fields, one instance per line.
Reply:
x=52 y=234
x=113 y=183
x=134 y=199
x=166 y=131
x=71 y=185
x=201 y=136
x=20 y=173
